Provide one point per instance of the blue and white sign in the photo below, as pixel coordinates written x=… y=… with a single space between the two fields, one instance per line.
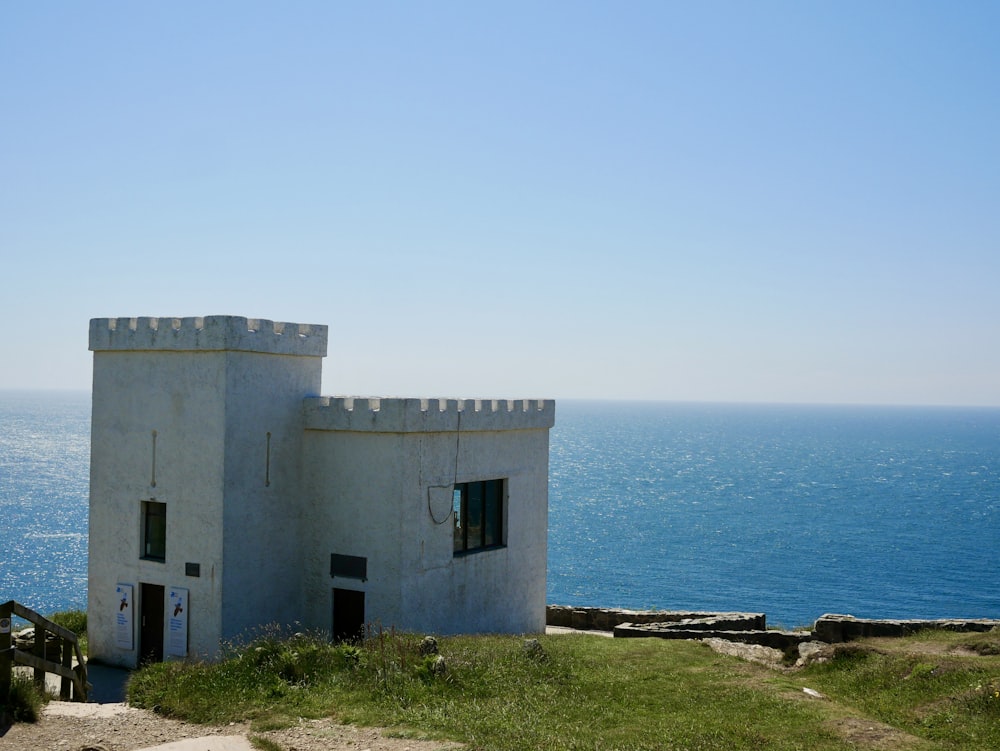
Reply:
x=177 y=623
x=123 y=616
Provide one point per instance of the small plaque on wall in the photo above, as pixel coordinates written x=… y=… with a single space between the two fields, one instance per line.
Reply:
x=192 y=569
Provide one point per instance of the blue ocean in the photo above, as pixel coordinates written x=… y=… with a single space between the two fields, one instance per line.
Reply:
x=793 y=511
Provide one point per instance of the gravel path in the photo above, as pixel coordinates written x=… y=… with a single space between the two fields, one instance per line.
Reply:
x=67 y=726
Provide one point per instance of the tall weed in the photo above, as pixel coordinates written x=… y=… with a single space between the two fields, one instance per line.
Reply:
x=24 y=702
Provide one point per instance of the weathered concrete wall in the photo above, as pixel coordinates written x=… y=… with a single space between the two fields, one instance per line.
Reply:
x=181 y=397
x=210 y=409
x=263 y=514
x=392 y=504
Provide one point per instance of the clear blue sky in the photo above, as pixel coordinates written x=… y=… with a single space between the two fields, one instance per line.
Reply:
x=773 y=201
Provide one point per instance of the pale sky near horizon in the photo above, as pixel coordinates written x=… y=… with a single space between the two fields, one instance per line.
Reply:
x=771 y=201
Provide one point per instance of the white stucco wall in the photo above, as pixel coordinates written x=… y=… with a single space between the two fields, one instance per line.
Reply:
x=382 y=489
x=181 y=396
x=262 y=513
x=211 y=389
x=499 y=590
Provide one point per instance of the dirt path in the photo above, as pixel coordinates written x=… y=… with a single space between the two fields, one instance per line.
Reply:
x=66 y=726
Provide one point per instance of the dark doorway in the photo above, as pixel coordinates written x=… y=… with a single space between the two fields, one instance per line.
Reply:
x=348 y=615
x=151 y=626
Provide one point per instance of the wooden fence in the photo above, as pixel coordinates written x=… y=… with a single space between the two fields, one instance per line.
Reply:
x=63 y=647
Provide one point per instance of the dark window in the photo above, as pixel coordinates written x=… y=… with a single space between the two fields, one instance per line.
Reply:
x=349 y=566
x=154 y=530
x=478 y=509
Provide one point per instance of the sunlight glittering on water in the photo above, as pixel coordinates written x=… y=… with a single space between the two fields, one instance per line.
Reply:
x=44 y=486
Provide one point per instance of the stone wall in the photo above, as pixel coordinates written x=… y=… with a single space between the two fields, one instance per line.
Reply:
x=840 y=628
x=606 y=619
x=749 y=628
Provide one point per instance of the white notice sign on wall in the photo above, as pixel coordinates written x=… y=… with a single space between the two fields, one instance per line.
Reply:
x=177 y=620
x=123 y=616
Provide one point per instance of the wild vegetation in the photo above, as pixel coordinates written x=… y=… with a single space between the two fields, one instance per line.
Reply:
x=24 y=701
x=74 y=620
x=936 y=690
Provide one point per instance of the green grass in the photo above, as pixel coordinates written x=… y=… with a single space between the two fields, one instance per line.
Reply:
x=264 y=744
x=74 y=620
x=586 y=692
x=941 y=686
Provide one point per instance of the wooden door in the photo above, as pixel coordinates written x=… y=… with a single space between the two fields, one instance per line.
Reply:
x=151 y=624
x=348 y=615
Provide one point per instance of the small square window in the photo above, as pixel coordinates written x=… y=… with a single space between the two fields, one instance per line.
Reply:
x=154 y=531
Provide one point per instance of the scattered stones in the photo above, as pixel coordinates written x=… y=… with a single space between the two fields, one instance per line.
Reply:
x=24 y=640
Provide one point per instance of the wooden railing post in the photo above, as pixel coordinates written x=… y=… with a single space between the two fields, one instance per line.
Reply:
x=6 y=658
x=39 y=651
x=66 y=647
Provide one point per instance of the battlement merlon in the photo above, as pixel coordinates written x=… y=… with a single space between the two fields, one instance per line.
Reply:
x=208 y=333
x=381 y=415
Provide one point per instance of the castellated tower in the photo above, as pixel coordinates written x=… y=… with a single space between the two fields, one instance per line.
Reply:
x=195 y=452
x=226 y=494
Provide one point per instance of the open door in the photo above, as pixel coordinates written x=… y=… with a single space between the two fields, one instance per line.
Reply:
x=348 y=615
x=151 y=625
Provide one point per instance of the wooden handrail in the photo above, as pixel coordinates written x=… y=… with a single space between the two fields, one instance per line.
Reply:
x=10 y=655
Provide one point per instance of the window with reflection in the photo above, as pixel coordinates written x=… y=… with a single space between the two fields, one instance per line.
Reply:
x=478 y=514
x=154 y=531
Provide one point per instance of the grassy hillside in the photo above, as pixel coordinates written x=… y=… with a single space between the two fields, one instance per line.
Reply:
x=938 y=690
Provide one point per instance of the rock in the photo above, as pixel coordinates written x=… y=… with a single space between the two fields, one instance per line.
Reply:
x=532 y=648
x=428 y=646
x=835 y=628
x=813 y=651
x=750 y=652
x=439 y=666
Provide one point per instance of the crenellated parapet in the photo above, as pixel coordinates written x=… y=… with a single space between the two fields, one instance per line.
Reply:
x=382 y=415
x=208 y=333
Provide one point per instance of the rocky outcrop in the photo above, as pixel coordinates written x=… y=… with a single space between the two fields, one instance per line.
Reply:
x=725 y=627
x=840 y=628
x=744 y=628
x=606 y=619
